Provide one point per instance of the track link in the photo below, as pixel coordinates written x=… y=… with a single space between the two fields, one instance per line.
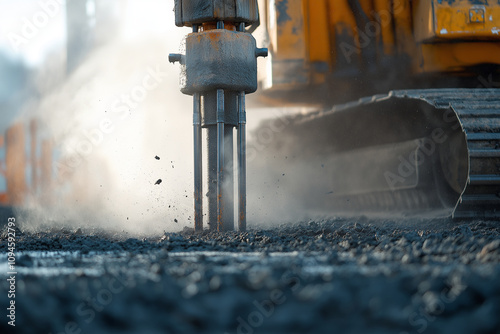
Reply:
x=479 y=113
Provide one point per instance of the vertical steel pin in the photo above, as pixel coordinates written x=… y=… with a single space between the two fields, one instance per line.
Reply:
x=220 y=159
x=198 y=165
x=242 y=166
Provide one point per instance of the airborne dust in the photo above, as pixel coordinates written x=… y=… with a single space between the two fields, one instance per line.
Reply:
x=123 y=137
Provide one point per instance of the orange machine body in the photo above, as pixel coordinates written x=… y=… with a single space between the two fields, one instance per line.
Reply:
x=333 y=46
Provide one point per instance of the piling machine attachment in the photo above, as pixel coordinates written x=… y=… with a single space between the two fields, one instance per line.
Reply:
x=218 y=69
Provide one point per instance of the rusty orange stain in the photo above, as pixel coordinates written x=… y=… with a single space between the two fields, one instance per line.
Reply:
x=213 y=25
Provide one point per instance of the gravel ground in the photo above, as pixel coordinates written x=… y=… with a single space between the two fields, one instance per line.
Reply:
x=325 y=276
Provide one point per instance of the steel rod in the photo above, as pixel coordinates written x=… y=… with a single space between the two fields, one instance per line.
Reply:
x=198 y=165
x=220 y=159
x=242 y=164
x=229 y=164
x=212 y=175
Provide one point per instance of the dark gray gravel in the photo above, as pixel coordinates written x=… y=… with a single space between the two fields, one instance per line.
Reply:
x=325 y=276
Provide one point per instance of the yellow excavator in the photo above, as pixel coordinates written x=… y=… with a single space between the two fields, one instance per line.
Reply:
x=405 y=93
x=426 y=140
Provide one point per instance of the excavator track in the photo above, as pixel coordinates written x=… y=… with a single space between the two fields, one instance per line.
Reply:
x=432 y=153
x=479 y=113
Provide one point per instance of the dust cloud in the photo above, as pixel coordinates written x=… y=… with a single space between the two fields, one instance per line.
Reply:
x=122 y=133
x=269 y=172
x=109 y=119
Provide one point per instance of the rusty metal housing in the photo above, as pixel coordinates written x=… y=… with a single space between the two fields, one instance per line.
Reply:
x=219 y=59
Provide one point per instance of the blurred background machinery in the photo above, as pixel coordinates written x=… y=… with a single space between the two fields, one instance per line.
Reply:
x=26 y=164
x=27 y=153
x=328 y=52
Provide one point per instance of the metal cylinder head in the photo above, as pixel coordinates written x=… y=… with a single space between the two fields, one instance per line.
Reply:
x=189 y=12
x=219 y=59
